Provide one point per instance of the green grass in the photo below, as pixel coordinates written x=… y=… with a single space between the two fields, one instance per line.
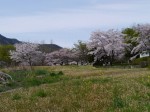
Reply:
x=16 y=97
x=39 y=93
x=28 y=78
x=77 y=89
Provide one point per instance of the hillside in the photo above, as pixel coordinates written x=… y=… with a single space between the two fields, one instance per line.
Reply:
x=47 y=48
x=7 y=41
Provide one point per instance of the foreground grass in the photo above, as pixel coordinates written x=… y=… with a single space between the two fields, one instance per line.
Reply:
x=81 y=89
x=28 y=78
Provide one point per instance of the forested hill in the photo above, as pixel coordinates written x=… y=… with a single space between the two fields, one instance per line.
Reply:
x=7 y=41
x=47 y=48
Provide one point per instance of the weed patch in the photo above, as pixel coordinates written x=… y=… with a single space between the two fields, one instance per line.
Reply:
x=16 y=97
x=40 y=93
x=30 y=78
x=118 y=102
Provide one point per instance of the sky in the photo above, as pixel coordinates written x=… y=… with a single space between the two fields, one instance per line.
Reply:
x=66 y=21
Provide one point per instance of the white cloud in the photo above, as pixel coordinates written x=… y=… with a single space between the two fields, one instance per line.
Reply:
x=116 y=6
x=91 y=17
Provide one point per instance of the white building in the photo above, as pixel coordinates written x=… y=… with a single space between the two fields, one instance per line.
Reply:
x=144 y=54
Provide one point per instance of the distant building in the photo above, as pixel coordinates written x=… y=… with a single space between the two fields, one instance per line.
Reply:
x=144 y=54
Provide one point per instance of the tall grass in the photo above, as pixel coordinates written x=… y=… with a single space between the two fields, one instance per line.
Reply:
x=28 y=78
x=80 y=89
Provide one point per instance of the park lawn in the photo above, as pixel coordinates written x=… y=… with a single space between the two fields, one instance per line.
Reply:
x=77 y=89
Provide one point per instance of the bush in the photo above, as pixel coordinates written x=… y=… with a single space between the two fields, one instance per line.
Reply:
x=2 y=64
x=41 y=72
x=46 y=73
x=143 y=62
x=56 y=74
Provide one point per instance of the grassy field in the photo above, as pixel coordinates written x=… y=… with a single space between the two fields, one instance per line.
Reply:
x=77 y=89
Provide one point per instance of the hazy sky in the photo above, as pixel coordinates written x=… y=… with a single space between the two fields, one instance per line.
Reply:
x=67 y=21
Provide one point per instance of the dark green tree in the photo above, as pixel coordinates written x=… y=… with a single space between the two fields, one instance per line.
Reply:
x=4 y=53
x=82 y=51
x=130 y=37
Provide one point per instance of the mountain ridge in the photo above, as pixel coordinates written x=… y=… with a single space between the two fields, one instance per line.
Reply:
x=8 y=41
x=47 y=48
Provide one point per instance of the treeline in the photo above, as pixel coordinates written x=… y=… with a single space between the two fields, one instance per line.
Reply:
x=104 y=48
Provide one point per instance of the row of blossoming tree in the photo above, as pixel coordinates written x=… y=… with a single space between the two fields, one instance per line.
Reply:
x=104 y=47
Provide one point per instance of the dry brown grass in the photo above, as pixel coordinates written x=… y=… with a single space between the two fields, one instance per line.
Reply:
x=84 y=89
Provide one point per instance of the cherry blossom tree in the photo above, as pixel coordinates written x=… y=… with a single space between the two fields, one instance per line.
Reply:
x=26 y=54
x=75 y=55
x=107 y=46
x=61 y=56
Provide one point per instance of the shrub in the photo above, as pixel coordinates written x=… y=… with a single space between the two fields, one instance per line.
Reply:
x=143 y=62
x=56 y=73
x=60 y=73
x=41 y=72
x=45 y=72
